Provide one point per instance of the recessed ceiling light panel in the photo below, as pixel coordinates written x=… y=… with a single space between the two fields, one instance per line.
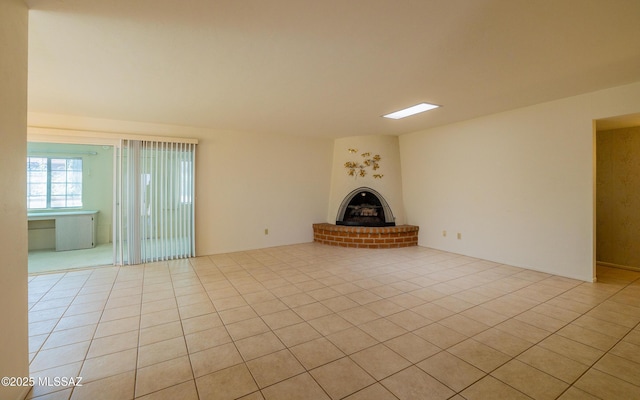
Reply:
x=418 y=108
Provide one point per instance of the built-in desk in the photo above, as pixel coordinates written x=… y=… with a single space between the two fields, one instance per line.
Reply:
x=74 y=230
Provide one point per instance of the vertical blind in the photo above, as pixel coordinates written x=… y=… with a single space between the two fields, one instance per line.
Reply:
x=154 y=219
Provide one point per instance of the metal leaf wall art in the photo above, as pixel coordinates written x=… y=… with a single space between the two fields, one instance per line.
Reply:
x=359 y=168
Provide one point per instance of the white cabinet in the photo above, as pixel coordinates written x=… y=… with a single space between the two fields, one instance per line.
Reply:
x=74 y=230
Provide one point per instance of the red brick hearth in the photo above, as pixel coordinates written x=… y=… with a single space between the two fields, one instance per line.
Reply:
x=366 y=237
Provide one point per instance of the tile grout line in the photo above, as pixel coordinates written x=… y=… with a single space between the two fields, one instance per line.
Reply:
x=236 y=282
x=607 y=351
x=95 y=329
x=226 y=330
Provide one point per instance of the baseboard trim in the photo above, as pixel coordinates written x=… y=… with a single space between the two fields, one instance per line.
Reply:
x=612 y=265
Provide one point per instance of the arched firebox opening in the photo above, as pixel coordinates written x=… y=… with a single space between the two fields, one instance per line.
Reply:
x=365 y=207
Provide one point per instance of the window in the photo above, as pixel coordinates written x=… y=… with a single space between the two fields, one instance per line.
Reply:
x=54 y=182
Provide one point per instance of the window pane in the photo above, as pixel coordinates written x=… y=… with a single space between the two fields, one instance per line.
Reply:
x=58 y=201
x=74 y=164
x=36 y=164
x=58 y=176
x=58 y=189
x=74 y=201
x=37 y=202
x=37 y=189
x=37 y=176
x=58 y=164
x=74 y=176
x=74 y=189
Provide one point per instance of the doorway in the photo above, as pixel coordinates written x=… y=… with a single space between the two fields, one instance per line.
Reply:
x=70 y=206
x=617 y=192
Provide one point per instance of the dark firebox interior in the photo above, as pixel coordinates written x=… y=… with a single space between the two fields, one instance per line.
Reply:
x=365 y=209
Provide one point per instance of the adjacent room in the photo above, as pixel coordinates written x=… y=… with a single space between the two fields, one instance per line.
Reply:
x=220 y=200
x=84 y=195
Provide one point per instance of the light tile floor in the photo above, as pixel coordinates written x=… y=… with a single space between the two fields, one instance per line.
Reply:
x=315 y=322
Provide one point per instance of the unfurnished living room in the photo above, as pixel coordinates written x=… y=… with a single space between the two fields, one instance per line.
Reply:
x=216 y=199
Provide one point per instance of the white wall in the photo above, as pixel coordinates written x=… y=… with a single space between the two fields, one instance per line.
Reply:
x=14 y=352
x=389 y=186
x=248 y=183
x=518 y=186
x=245 y=183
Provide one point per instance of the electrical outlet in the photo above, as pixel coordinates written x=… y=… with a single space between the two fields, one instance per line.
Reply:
x=266 y=231
x=459 y=235
x=444 y=233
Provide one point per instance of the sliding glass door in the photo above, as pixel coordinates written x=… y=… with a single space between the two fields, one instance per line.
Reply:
x=154 y=218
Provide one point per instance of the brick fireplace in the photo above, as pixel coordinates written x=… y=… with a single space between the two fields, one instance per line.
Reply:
x=386 y=237
x=365 y=220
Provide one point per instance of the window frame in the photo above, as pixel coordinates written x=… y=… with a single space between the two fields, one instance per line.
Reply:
x=50 y=182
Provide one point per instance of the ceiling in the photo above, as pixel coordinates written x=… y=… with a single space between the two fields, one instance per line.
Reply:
x=325 y=68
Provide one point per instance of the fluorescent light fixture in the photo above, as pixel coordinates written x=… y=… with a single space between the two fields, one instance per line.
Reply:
x=418 y=108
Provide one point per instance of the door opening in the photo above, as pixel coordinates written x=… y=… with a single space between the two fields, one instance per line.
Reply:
x=617 y=192
x=70 y=206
